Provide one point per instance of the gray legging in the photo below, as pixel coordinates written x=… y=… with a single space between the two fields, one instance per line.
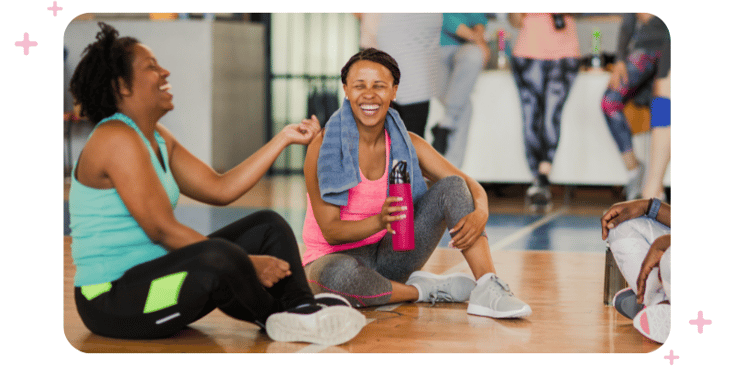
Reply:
x=363 y=275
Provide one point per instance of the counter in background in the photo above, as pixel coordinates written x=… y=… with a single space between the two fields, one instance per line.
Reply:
x=586 y=155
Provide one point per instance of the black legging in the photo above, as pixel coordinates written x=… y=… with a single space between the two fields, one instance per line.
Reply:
x=415 y=116
x=160 y=297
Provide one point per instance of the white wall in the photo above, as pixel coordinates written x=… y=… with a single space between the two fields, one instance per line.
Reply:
x=182 y=47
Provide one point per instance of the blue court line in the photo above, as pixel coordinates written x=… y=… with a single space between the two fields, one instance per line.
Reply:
x=561 y=233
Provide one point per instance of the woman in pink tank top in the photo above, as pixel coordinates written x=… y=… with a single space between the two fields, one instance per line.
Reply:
x=349 y=247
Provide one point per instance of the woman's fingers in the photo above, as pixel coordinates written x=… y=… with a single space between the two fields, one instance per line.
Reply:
x=465 y=233
x=465 y=238
x=391 y=213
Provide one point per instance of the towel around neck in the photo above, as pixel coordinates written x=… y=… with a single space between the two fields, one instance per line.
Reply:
x=338 y=160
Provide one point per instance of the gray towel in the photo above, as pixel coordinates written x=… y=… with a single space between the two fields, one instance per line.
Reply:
x=338 y=160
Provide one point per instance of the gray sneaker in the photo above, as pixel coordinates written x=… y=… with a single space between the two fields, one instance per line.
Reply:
x=493 y=298
x=634 y=185
x=434 y=288
x=625 y=303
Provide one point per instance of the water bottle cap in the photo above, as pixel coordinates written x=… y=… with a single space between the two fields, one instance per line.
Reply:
x=399 y=173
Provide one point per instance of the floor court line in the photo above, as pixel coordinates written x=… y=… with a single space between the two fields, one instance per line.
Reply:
x=506 y=241
x=501 y=244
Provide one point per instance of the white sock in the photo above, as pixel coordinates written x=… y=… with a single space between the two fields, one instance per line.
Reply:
x=420 y=295
x=485 y=278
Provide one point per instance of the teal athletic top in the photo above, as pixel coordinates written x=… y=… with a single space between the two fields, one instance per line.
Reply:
x=451 y=21
x=106 y=239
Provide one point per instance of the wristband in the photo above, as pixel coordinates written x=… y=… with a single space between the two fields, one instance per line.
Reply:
x=653 y=210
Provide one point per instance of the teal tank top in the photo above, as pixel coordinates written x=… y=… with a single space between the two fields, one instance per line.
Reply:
x=106 y=239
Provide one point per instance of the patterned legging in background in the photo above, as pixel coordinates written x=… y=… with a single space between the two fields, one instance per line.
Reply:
x=362 y=275
x=641 y=66
x=543 y=89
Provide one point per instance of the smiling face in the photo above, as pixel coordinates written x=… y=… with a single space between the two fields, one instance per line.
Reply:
x=370 y=89
x=149 y=87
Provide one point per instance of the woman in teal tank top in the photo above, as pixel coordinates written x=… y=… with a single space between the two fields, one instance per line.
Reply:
x=140 y=272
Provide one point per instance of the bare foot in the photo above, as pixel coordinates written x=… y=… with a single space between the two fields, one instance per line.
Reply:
x=269 y=269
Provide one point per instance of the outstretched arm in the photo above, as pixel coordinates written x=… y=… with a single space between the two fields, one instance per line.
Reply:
x=199 y=181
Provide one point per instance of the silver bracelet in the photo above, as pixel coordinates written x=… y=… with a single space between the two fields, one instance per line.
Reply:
x=654 y=208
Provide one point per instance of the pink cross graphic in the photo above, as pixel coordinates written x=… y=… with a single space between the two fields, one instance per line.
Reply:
x=671 y=357
x=55 y=8
x=700 y=322
x=26 y=44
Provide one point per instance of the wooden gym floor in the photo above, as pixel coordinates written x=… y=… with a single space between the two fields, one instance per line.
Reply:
x=554 y=261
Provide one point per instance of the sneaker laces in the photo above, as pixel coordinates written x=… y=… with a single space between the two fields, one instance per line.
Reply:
x=504 y=285
x=440 y=294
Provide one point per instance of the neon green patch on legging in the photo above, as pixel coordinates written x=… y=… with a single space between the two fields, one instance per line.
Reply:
x=164 y=291
x=92 y=291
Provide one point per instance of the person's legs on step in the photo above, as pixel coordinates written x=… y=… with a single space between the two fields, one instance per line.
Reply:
x=660 y=153
x=641 y=67
x=560 y=77
x=467 y=66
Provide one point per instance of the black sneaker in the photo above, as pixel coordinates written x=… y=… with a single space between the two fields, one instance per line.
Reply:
x=440 y=138
x=331 y=321
x=539 y=192
x=329 y=299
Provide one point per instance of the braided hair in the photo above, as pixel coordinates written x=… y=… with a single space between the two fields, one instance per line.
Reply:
x=95 y=82
x=374 y=55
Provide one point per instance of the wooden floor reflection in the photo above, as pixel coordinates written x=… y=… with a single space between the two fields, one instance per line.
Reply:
x=564 y=289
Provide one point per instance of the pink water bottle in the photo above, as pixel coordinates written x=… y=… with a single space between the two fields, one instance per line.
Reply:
x=399 y=186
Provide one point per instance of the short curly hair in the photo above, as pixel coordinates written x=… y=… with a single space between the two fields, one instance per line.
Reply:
x=94 y=84
x=374 y=55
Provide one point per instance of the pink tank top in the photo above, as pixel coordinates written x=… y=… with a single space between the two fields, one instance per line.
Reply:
x=365 y=200
x=538 y=38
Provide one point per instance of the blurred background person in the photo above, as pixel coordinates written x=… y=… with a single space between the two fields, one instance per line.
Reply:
x=660 y=149
x=463 y=54
x=368 y=23
x=545 y=62
x=413 y=40
x=642 y=56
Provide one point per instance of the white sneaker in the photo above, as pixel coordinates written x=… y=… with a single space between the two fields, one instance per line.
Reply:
x=493 y=298
x=321 y=324
x=434 y=288
x=654 y=322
